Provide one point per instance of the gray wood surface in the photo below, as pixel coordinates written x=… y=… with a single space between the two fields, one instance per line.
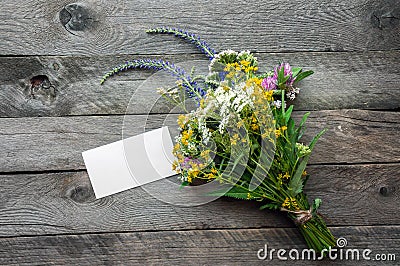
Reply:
x=55 y=203
x=52 y=56
x=341 y=80
x=211 y=247
x=103 y=27
x=56 y=143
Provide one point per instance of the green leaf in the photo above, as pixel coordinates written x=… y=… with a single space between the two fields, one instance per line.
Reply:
x=284 y=80
x=315 y=206
x=277 y=92
x=296 y=183
x=296 y=71
x=288 y=113
x=304 y=119
x=271 y=206
x=235 y=192
x=184 y=184
x=299 y=130
x=303 y=75
x=237 y=195
x=291 y=133
x=317 y=203
x=314 y=140
x=281 y=75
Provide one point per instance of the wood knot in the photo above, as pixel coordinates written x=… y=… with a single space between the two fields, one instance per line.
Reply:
x=384 y=191
x=386 y=17
x=82 y=194
x=75 y=17
x=41 y=88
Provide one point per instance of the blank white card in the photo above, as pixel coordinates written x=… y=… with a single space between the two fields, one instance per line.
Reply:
x=130 y=162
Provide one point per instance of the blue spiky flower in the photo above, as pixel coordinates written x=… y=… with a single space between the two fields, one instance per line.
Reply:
x=196 y=40
x=191 y=87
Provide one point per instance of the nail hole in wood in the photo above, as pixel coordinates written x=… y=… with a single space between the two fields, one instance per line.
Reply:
x=40 y=87
x=384 y=191
x=40 y=81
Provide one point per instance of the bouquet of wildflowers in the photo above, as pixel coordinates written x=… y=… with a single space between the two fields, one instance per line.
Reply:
x=241 y=135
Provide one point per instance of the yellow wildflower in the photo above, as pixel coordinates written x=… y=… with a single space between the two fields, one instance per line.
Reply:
x=279 y=132
x=230 y=75
x=264 y=135
x=202 y=103
x=175 y=166
x=286 y=203
x=286 y=175
x=254 y=126
x=245 y=63
x=237 y=66
x=250 y=69
x=294 y=203
x=228 y=67
x=181 y=121
x=234 y=139
x=258 y=81
x=290 y=203
x=177 y=146
x=210 y=176
x=268 y=95
x=205 y=154
x=193 y=173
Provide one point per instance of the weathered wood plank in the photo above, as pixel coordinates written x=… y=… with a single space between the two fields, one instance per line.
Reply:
x=55 y=203
x=56 y=143
x=101 y=27
x=366 y=80
x=213 y=247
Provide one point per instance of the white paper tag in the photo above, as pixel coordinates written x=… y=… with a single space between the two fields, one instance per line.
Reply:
x=130 y=162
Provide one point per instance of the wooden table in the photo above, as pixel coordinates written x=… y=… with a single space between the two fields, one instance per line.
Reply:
x=52 y=56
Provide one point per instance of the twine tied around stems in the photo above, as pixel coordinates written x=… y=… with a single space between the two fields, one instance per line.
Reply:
x=303 y=216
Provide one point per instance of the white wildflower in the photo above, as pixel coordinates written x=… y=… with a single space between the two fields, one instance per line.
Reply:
x=291 y=95
x=218 y=56
x=161 y=91
x=302 y=149
x=244 y=52
x=277 y=104
x=173 y=91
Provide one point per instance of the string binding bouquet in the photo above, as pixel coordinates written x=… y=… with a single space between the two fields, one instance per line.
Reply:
x=241 y=134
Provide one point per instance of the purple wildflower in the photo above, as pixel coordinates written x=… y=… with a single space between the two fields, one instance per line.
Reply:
x=269 y=83
x=287 y=71
x=188 y=162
